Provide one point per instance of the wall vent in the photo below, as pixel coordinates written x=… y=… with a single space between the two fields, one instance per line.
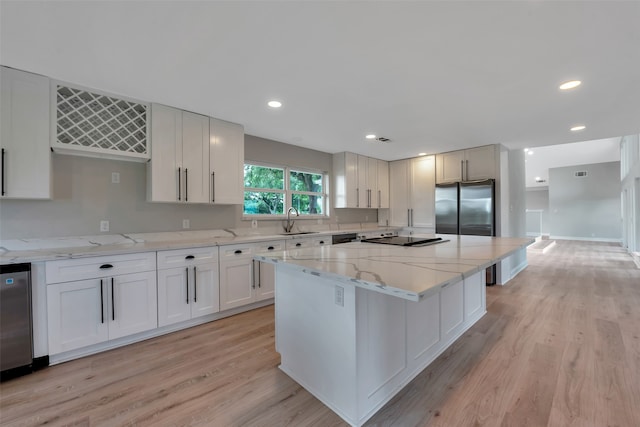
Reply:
x=580 y=174
x=382 y=139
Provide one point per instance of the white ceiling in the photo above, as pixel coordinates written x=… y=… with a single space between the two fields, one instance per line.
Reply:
x=431 y=76
x=572 y=154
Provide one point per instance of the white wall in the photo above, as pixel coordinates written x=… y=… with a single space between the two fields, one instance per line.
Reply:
x=538 y=199
x=585 y=208
x=630 y=191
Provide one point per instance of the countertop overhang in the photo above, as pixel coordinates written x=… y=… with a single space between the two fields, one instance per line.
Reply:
x=412 y=273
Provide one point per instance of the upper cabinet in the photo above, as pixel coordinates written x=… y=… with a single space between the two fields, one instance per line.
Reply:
x=412 y=188
x=383 y=184
x=360 y=181
x=226 y=162
x=195 y=159
x=91 y=123
x=179 y=167
x=25 y=167
x=466 y=165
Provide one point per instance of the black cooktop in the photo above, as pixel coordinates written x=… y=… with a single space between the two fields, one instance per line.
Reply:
x=406 y=240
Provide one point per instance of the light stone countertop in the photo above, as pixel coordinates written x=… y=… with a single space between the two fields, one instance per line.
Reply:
x=48 y=249
x=408 y=272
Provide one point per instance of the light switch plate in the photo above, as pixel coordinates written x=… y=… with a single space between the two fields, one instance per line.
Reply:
x=115 y=177
x=104 y=226
x=186 y=223
x=339 y=296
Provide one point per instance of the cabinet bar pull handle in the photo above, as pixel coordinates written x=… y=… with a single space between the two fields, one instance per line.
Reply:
x=462 y=170
x=379 y=198
x=113 y=302
x=195 y=285
x=259 y=268
x=270 y=248
x=253 y=274
x=3 y=172
x=186 y=184
x=412 y=217
x=467 y=171
x=408 y=217
x=238 y=251
x=357 y=197
x=101 y=302
x=189 y=257
x=298 y=245
x=106 y=266
x=179 y=183
x=322 y=242
x=186 y=272
x=213 y=186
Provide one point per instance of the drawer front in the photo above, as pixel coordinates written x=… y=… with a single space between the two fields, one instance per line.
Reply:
x=266 y=247
x=307 y=243
x=187 y=257
x=236 y=252
x=70 y=270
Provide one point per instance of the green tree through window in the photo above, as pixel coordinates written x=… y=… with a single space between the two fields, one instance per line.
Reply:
x=268 y=193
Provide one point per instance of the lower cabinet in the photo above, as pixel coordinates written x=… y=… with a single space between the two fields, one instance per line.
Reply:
x=244 y=280
x=91 y=311
x=188 y=284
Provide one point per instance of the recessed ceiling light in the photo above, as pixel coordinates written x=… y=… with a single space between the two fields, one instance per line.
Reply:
x=538 y=178
x=274 y=104
x=570 y=84
x=530 y=153
x=422 y=154
x=526 y=149
x=577 y=128
x=370 y=136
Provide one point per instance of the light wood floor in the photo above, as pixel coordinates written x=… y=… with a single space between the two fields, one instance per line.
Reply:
x=559 y=346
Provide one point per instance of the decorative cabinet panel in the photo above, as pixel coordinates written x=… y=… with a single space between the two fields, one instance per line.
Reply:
x=25 y=168
x=412 y=188
x=188 y=285
x=93 y=300
x=226 y=162
x=91 y=123
x=466 y=165
x=91 y=311
x=356 y=182
x=244 y=280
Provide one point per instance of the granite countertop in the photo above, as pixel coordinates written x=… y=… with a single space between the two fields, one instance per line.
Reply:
x=48 y=249
x=408 y=272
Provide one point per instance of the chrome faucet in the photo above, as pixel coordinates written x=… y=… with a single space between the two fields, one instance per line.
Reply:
x=289 y=225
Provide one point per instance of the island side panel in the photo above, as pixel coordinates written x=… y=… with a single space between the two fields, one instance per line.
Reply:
x=382 y=345
x=316 y=337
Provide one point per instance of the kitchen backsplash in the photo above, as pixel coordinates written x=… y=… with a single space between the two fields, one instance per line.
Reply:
x=83 y=195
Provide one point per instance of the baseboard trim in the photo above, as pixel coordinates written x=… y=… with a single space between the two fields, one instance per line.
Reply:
x=588 y=239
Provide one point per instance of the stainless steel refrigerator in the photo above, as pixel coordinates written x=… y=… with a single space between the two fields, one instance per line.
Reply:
x=467 y=208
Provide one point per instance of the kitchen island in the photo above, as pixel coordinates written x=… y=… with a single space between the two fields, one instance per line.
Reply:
x=356 y=322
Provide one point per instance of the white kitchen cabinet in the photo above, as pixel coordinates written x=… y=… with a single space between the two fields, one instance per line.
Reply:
x=466 y=165
x=355 y=181
x=412 y=188
x=179 y=166
x=188 y=284
x=25 y=169
x=93 y=300
x=307 y=242
x=383 y=184
x=242 y=279
x=92 y=311
x=226 y=162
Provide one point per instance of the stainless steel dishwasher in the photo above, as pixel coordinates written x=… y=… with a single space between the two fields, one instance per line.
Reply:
x=16 y=342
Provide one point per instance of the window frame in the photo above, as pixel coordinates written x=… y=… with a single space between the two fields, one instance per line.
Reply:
x=288 y=192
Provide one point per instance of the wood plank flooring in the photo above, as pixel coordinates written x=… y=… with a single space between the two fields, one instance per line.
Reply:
x=559 y=346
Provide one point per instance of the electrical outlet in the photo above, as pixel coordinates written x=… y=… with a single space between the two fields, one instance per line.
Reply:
x=186 y=223
x=254 y=223
x=115 y=177
x=104 y=226
x=339 y=296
